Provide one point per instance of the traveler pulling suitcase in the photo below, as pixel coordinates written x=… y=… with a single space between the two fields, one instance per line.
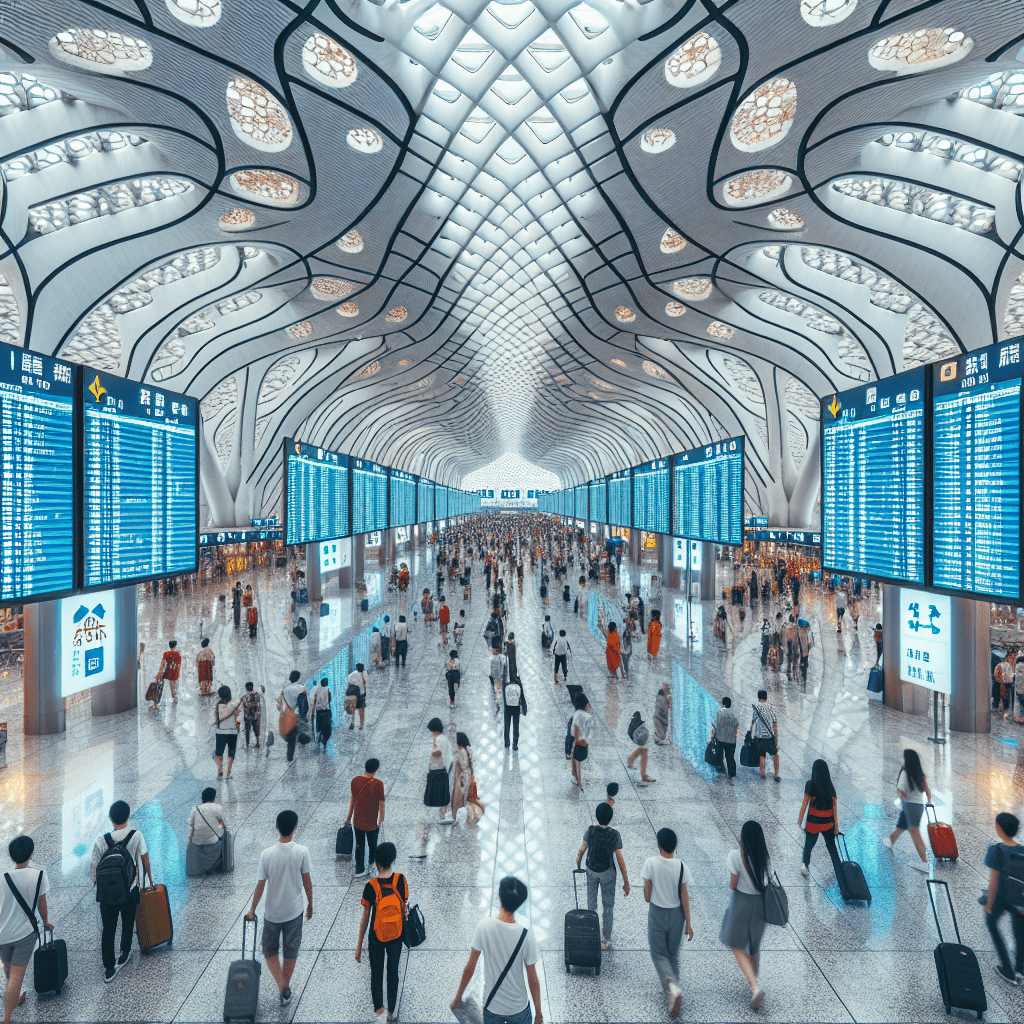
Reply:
x=345 y=841
x=957 y=965
x=582 y=934
x=852 y=883
x=153 y=922
x=940 y=836
x=50 y=964
x=243 y=988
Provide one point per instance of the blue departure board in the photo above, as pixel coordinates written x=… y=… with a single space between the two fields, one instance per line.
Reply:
x=873 y=473
x=140 y=486
x=650 y=496
x=440 y=502
x=37 y=458
x=598 y=501
x=581 y=501
x=707 y=492
x=424 y=500
x=568 y=502
x=976 y=466
x=402 y=500
x=316 y=494
x=619 y=487
x=369 y=497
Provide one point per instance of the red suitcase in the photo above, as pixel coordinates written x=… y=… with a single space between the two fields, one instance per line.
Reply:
x=940 y=836
x=153 y=918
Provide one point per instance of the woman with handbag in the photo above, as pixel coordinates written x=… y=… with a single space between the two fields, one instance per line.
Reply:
x=463 y=776
x=226 y=714
x=743 y=925
x=206 y=829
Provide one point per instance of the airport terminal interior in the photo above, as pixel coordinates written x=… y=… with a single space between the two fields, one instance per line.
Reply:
x=643 y=376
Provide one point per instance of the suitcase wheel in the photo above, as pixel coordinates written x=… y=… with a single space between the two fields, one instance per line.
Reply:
x=597 y=971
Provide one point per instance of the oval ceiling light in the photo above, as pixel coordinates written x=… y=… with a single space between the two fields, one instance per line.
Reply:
x=654 y=370
x=237 y=219
x=782 y=218
x=201 y=13
x=719 y=330
x=348 y=309
x=396 y=316
x=364 y=140
x=351 y=243
x=303 y=329
x=694 y=63
x=757 y=186
x=109 y=53
x=257 y=118
x=330 y=289
x=270 y=187
x=657 y=140
x=624 y=314
x=764 y=118
x=822 y=13
x=923 y=50
x=695 y=289
x=672 y=241
x=675 y=308
x=328 y=62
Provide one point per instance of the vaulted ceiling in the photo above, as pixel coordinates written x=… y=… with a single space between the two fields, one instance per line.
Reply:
x=584 y=234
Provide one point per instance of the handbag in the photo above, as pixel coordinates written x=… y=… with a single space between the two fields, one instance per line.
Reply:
x=415 y=932
x=151 y=691
x=776 y=902
x=714 y=755
x=288 y=721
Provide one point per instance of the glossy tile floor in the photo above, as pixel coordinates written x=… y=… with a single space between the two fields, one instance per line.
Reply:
x=832 y=963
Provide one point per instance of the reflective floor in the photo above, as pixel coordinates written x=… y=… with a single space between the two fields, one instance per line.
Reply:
x=833 y=962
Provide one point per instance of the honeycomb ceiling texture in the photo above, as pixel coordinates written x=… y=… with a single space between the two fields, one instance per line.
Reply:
x=579 y=234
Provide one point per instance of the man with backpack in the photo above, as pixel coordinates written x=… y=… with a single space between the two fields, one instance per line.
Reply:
x=547 y=634
x=385 y=907
x=1005 y=861
x=119 y=859
x=602 y=845
x=170 y=669
x=513 y=699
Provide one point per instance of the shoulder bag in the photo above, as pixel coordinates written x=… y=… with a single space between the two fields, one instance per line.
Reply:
x=506 y=969
x=776 y=902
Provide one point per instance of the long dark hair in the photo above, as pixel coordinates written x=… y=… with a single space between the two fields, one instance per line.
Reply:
x=912 y=766
x=755 y=852
x=821 y=780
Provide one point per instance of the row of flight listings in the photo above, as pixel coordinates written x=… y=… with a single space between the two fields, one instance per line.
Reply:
x=98 y=479
x=921 y=476
x=696 y=494
x=329 y=495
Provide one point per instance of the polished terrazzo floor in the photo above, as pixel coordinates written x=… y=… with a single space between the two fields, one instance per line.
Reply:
x=831 y=963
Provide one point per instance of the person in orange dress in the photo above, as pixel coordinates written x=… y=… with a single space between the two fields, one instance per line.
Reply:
x=654 y=634
x=613 y=648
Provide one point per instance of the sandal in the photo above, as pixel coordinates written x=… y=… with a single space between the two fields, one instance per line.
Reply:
x=220 y=775
x=646 y=779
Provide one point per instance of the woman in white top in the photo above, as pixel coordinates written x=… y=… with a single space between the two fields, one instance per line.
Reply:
x=205 y=831
x=225 y=714
x=321 y=712
x=914 y=792
x=582 y=727
x=743 y=924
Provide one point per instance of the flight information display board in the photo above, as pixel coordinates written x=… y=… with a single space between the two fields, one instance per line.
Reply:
x=707 y=492
x=424 y=500
x=598 y=501
x=402 y=499
x=873 y=479
x=619 y=486
x=140 y=481
x=316 y=494
x=440 y=502
x=581 y=501
x=37 y=458
x=568 y=502
x=650 y=496
x=369 y=497
x=976 y=466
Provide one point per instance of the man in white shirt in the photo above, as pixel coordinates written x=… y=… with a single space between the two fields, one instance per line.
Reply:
x=560 y=649
x=401 y=640
x=110 y=886
x=290 y=697
x=547 y=634
x=206 y=823
x=357 y=678
x=283 y=871
x=498 y=671
x=582 y=727
x=666 y=889
x=501 y=940
x=18 y=931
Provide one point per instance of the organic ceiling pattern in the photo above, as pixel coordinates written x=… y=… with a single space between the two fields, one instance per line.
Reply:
x=437 y=234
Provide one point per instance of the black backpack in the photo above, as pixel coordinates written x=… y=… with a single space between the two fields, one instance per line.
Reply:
x=599 y=848
x=302 y=704
x=634 y=722
x=300 y=629
x=1011 y=877
x=116 y=872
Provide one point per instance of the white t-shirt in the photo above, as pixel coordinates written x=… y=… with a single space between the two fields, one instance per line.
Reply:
x=282 y=867
x=204 y=824
x=735 y=866
x=357 y=679
x=291 y=694
x=560 y=646
x=401 y=630
x=496 y=940
x=840 y=599
x=444 y=745
x=14 y=922
x=322 y=698
x=136 y=847
x=663 y=874
x=914 y=796
x=225 y=718
x=584 y=721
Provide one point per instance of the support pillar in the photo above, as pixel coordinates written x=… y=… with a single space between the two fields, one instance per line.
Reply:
x=358 y=561
x=634 y=547
x=707 y=571
x=313 y=583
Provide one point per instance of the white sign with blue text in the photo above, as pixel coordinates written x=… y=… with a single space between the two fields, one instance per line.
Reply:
x=88 y=638
x=926 y=640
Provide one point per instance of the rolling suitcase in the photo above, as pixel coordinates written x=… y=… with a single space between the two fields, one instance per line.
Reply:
x=940 y=836
x=345 y=841
x=876 y=680
x=243 y=988
x=852 y=883
x=153 y=922
x=50 y=964
x=227 y=852
x=956 y=965
x=582 y=934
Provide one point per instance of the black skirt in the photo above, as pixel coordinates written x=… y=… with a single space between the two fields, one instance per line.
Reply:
x=438 y=792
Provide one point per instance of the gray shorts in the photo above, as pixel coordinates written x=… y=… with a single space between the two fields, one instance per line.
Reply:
x=18 y=954
x=910 y=816
x=288 y=934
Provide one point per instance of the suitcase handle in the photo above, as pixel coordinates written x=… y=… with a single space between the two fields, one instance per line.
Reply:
x=844 y=853
x=577 y=871
x=934 y=818
x=952 y=912
x=255 y=932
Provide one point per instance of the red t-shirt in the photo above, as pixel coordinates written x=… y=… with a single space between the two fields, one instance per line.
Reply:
x=445 y=614
x=368 y=794
x=172 y=664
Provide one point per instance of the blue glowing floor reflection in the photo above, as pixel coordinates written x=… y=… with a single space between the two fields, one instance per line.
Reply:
x=693 y=712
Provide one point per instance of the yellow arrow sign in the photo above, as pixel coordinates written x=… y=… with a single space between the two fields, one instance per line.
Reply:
x=834 y=407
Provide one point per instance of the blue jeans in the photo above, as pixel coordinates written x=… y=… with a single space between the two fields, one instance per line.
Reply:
x=525 y=1016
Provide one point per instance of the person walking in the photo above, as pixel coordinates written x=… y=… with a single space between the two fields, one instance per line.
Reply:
x=401 y=642
x=205 y=831
x=513 y=699
x=1005 y=894
x=464 y=792
x=510 y=954
x=120 y=858
x=323 y=713
x=236 y=603
x=204 y=666
x=819 y=816
x=366 y=813
x=453 y=675
x=877 y=633
x=662 y=711
x=841 y=602
x=612 y=648
x=654 y=633
x=581 y=729
x=385 y=907
x=602 y=846
x=374 y=647
x=726 y=730
x=510 y=654
x=560 y=649
x=252 y=617
x=764 y=728
x=744 y=922
x=438 y=792
x=386 y=631
x=283 y=873
x=287 y=705
x=444 y=616
x=626 y=650
x=497 y=672
x=226 y=713
x=667 y=892
x=804 y=643
x=547 y=635
x=638 y=733
x=357 y=678
x=170 y=668
x=251 y=713
x=23 y=892
x=914 y=792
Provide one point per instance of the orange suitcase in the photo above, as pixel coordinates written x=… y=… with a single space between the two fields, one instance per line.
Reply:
x=153 y=922
x=940 y=836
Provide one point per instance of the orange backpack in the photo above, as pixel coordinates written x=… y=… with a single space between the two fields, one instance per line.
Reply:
x=388 y=915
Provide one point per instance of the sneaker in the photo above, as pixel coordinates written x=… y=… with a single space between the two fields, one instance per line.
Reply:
x=756 y=999
x=921 y=865
x=804 y=871
x=108 y=976
x=1008 y=976
x=675 y=999
x=122 y=960
x=286 y=995
x=887 y=843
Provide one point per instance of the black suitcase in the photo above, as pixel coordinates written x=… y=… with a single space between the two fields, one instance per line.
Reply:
x=956 y=965
x=345 y=841
x=243 y=989
x=50 y=964
x=325 y=609
x=852 y=883
x=582 y=934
